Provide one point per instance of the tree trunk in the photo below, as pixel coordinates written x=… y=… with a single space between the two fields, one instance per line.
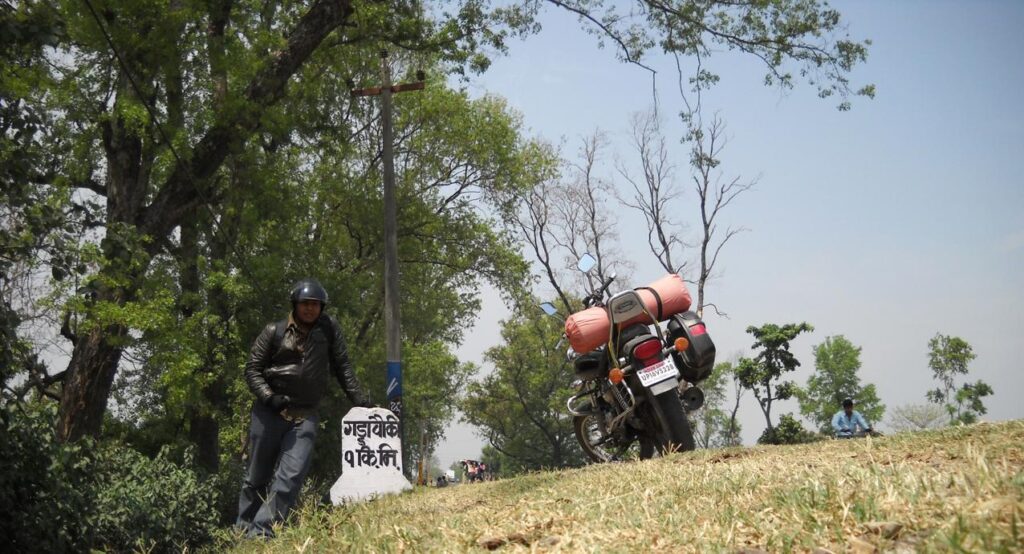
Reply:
x=204 y=432
x=90 y=375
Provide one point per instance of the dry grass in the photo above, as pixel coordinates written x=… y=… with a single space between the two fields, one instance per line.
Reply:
x=958 y=489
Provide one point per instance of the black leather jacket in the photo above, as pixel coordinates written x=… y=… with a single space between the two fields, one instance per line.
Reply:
x=301 y=374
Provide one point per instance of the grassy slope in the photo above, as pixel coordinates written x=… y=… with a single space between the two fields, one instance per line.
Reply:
x=955 y=489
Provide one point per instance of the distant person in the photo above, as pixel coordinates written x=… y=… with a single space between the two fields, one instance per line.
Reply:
x=287 y=372
x=848 y=423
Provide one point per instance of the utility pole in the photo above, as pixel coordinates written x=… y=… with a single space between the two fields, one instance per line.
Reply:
x=392 y=314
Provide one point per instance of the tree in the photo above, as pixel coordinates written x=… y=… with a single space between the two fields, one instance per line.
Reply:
x=447 y=247
x=715 y=194
x=776 y=33
x=836 y=363
x=656 y=195
x=712 y=426
x=916 y=417
x=949 y=357
x=733 y=428
x=152 y=112
x=142 y=199
x=761 y=374
x=521 y=405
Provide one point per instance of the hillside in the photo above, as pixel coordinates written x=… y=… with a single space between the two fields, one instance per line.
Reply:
x=949 y=490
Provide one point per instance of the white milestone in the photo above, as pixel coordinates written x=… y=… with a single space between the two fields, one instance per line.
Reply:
x=371 y=456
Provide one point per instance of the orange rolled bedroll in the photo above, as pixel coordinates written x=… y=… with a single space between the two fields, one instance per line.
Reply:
x=588 y=329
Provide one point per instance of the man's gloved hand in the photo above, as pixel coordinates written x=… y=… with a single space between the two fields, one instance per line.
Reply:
x=278 y=402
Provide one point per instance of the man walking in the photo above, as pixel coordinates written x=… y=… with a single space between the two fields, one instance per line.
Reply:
x=288 y=371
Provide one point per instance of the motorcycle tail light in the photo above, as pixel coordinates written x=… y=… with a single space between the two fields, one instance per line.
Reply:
x=648 y=351
x=698 y=329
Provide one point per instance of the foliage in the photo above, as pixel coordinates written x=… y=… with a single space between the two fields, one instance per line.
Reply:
x=917 y=417
x=45 y=483
x=781 y=34
x=968 y=401
x=79 y=496
x=495 y=460
x=949 y=357
x=788 y=431
x=836 y=363
x=712 y=425
x=156 y=505
x=761 y=375
x=521 y=405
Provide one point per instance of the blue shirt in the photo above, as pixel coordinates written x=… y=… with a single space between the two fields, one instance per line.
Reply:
x=847 y=425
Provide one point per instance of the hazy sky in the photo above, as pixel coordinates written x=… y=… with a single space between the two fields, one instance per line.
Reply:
x=886 y=224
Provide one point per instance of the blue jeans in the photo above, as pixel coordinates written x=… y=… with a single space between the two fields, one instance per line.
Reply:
x=280 y=453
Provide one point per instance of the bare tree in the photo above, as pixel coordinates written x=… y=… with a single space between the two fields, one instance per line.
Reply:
x=656 y=194
x=715 y=194
x=657 y=197
x=561 y=221
x=917 y=417
x=586 y=226
x=536 y=227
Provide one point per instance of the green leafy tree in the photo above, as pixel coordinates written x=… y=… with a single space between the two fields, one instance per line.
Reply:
x=948 y=358
x=448 y=247
x=763 y=374
x=520 y=406
x=199 y=106
x=836 y=363
x=712 y=425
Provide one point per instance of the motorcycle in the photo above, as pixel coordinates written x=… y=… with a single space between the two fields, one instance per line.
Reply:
x=635 y=390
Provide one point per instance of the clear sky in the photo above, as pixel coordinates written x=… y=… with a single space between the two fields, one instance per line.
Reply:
x=887 y=224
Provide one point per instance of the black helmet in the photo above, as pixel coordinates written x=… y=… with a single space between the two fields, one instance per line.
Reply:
x=847 y=402
x=308 y=289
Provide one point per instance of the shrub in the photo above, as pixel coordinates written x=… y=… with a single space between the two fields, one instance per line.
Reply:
x=154 y=505
x=75 y=497
x=788 y=431
x=44 y=485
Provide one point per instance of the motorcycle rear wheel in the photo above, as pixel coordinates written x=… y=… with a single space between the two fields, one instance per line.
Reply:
x=599 y=447
x=676 y=434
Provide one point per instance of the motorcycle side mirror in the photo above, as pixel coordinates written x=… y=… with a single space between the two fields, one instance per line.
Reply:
x=586 y=263
x=548 y=308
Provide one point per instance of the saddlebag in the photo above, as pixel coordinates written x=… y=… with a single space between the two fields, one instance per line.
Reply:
x=592 y=365
x=665 y=297
x=696 y=362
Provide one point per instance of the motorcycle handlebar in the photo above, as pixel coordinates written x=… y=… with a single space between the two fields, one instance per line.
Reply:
x=599 y=293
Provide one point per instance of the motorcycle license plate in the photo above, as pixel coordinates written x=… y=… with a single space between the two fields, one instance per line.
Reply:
x=654 y=374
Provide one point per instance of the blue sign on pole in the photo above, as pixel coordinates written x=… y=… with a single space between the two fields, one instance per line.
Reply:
x=394 y=377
